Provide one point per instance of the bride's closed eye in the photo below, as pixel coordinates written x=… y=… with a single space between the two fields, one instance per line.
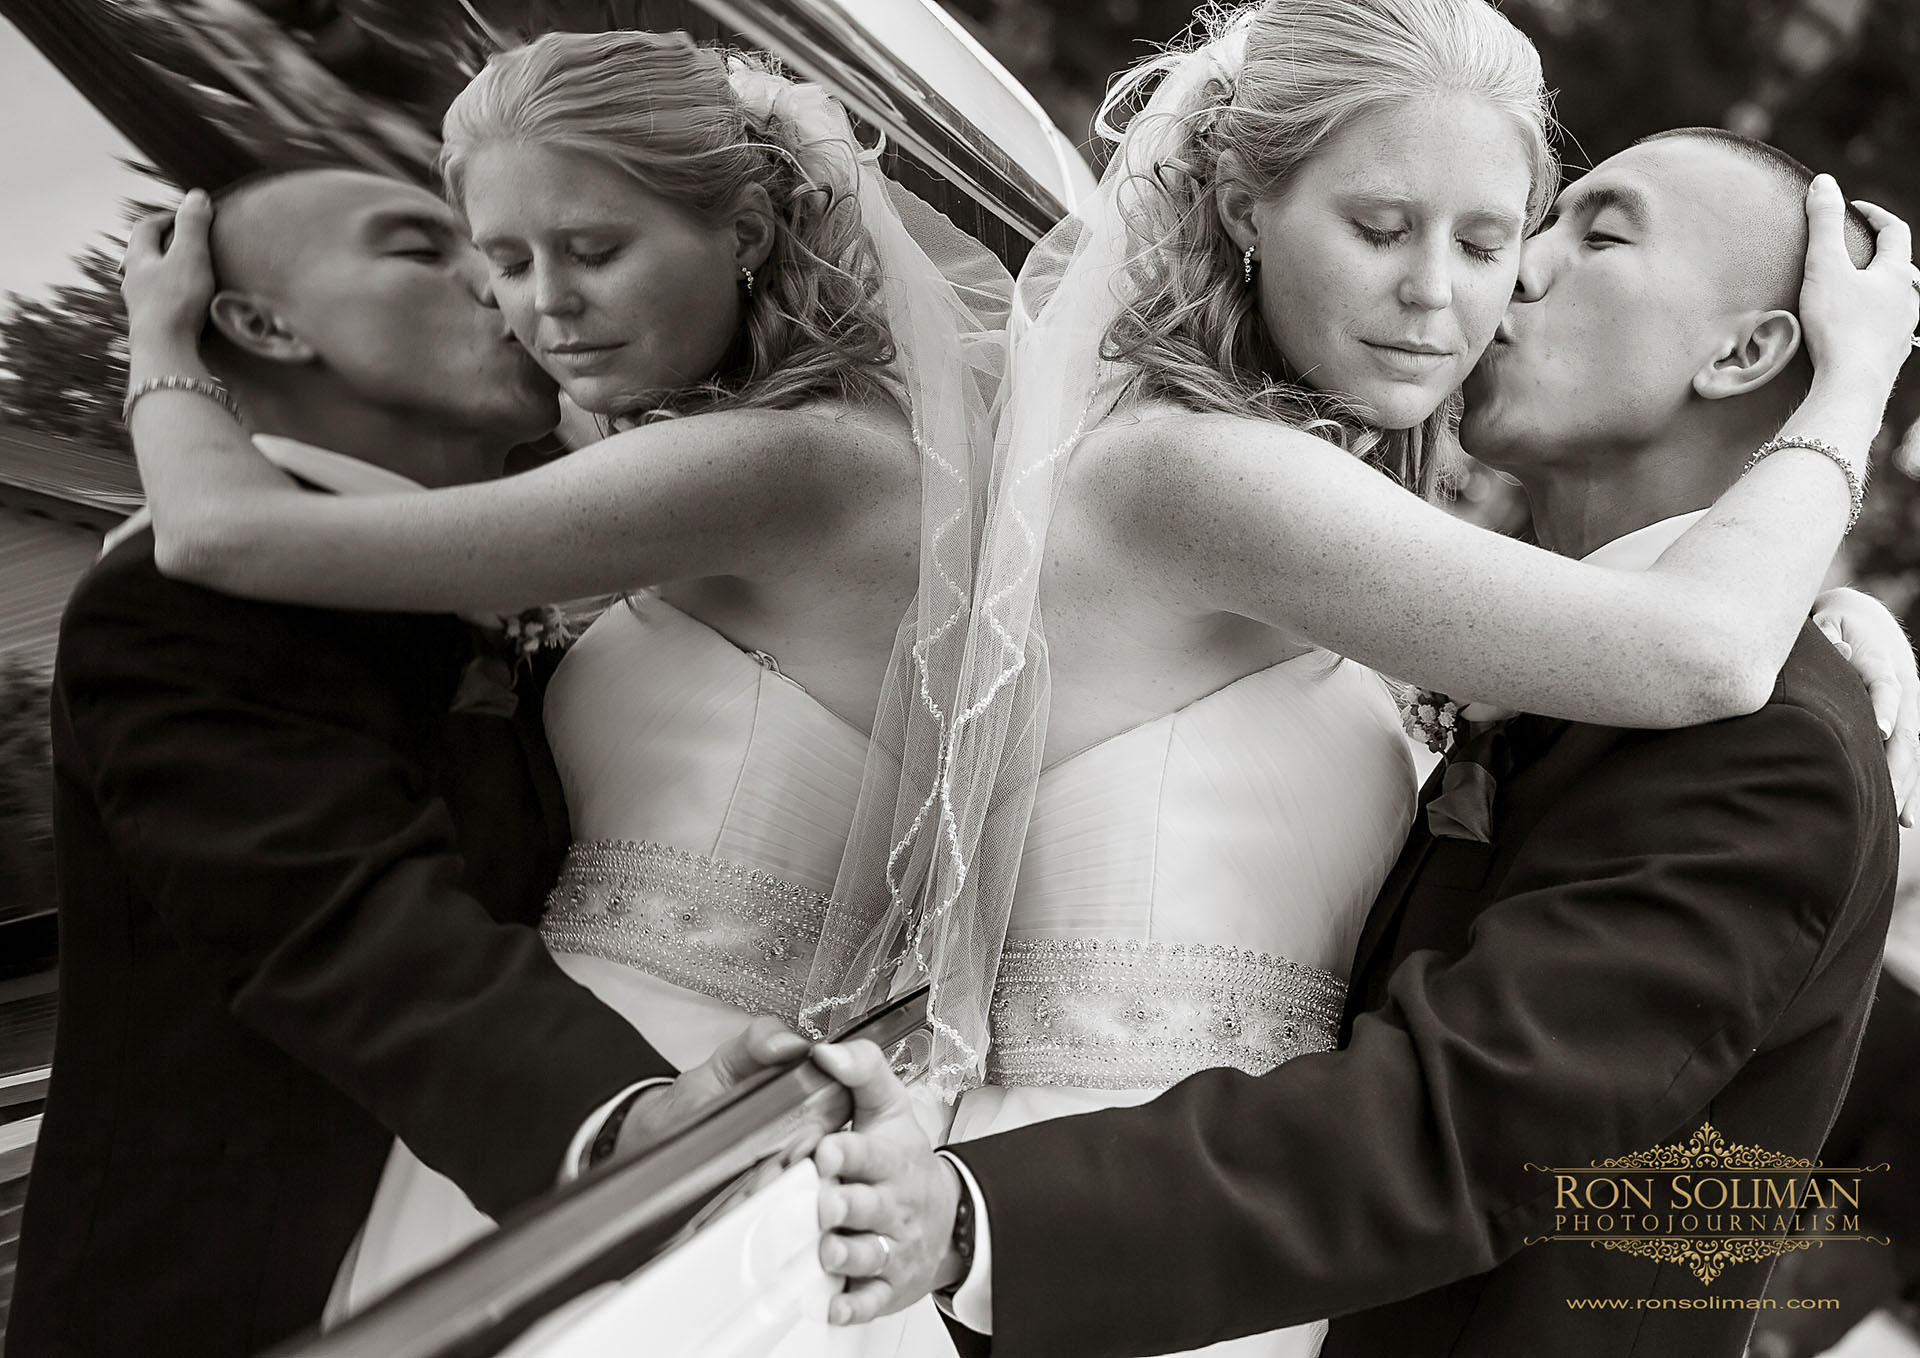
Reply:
x=1383 y=237
x=1378 y=235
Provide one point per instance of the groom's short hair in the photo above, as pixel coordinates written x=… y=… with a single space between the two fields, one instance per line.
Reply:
x=247 y=240
x=230 y=203
x=1776 y=248
x=235 y=216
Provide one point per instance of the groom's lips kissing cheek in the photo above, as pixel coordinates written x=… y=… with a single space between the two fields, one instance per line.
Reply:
x=1493 y=393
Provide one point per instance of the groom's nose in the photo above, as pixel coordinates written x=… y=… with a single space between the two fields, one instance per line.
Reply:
x=1536 y=269
x=478 y=277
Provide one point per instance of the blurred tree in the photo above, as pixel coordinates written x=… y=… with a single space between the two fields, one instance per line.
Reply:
x=26 y=790
x=63 y=358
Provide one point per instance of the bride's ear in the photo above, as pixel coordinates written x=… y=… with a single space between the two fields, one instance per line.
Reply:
x=251 y=325
x=753 y=228
x=1235 y=206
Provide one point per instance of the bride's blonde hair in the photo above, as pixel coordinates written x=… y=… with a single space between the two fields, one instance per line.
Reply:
x=1190 y=326
x=661 y=109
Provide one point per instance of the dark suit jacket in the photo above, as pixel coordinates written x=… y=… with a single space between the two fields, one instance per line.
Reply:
x=295 y=899
x=1668 y=927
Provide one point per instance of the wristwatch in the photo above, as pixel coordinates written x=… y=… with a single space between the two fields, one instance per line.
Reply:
x=608 y=1137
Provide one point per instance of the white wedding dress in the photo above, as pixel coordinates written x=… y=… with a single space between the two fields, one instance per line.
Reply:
x=711 y=801
x=1190 y=896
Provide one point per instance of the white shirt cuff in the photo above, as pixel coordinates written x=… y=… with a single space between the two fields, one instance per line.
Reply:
x=573 y=1163
x=972 y=1303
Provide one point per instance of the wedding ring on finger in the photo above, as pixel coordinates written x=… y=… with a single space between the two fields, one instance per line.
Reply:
x=886 y=1253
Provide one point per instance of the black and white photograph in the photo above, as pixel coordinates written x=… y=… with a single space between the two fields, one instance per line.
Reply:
x=939 y=678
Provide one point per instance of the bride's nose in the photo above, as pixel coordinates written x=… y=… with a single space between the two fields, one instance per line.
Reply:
x=553 y=291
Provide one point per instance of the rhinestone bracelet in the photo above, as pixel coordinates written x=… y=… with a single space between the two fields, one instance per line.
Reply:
x=199 y=386
x=1856 y=481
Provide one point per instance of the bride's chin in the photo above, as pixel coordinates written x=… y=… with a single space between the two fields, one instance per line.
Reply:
x=1403 y=410
x=600 y=398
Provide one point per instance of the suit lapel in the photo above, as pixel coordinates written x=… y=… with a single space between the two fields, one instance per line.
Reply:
x=1528 y=737
x=1398 y=886
x=529 y=729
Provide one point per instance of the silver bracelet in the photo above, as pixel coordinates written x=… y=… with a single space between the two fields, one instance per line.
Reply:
x=199 y=386
x=1856 y=482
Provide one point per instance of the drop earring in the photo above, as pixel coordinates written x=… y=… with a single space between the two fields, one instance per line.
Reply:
x=1246 y=267
x=746 y=276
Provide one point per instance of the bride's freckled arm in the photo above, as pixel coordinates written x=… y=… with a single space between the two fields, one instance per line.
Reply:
x=1263 y=521
x=737 y=493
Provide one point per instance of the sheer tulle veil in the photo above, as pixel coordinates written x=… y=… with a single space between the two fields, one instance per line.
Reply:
x=961 y=817
x=946 y=299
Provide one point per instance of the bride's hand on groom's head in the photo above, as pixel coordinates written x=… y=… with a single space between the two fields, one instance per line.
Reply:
x=1857 y=322
x=167 y=275
x=764 y=1044
x=887 y=1202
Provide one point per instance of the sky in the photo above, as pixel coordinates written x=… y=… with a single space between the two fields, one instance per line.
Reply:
x=60 y=186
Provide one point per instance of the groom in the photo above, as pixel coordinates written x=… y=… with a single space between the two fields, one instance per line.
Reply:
x=1656 y=930
x=300 y=850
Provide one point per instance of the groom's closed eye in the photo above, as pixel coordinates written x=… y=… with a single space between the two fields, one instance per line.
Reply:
x=417 y=245
x=412 y=236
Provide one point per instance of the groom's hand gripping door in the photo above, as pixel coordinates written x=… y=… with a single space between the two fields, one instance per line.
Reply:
x=888 y=1204
x=643 y=1110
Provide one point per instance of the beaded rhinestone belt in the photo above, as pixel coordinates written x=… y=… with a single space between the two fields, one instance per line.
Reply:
x=737 y=934
x=1133 y=1014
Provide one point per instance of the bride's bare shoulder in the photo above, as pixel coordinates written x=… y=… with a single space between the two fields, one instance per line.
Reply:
x=869 y=445
x=1140 y=458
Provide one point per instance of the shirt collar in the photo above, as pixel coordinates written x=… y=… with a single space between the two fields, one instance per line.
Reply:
x=1638 y=550
x=316 y=466
x=329 y=470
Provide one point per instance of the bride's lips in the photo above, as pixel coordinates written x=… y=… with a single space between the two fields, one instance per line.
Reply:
x=579 y=353
x=1410 y=358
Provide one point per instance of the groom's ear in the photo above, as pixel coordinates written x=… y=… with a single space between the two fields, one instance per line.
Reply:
x=753 y=228
x=1758 y=351
x=252 y=325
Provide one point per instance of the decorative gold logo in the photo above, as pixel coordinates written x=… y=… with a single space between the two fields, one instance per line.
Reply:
x=1708 y=1204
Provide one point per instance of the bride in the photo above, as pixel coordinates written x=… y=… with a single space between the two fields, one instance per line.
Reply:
x=1303 y=245
x=672 y=235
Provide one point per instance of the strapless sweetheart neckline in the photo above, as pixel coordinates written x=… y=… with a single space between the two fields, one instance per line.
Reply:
x=1187 y=707
x=764 y=661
